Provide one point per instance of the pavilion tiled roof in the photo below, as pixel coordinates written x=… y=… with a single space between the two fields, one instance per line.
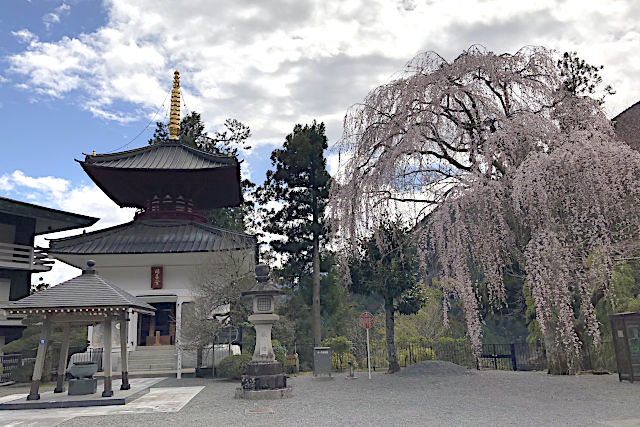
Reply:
x=166 y=155
x=153 y=236
x=87 y=291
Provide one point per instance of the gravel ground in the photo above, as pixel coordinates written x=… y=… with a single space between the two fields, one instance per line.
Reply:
x=432 y=393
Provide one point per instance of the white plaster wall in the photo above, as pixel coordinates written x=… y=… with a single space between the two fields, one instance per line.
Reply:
x=132 y=273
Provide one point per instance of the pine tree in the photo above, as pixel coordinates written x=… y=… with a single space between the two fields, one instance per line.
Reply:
x=300 y=183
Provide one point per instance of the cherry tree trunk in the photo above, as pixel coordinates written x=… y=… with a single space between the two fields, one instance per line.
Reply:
x=557 y=361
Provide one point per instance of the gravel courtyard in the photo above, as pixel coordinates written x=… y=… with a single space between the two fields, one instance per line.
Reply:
x=433 y=393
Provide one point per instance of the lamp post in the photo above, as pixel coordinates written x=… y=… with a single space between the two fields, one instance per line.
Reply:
x=264 y=378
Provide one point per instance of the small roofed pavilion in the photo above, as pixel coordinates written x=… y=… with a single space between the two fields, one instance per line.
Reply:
x=84 y=300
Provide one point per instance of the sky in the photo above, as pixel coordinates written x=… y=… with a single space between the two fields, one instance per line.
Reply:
x=79 y=75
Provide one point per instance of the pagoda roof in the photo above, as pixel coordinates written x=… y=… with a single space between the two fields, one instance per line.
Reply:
x=47 y=220
x=131 y=178
x=165 y=155
x=87 y=291
x=153 y=236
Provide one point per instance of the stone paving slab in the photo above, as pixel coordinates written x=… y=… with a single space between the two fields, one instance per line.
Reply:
x=161 y=399
x=49 y=399
x=150 y=374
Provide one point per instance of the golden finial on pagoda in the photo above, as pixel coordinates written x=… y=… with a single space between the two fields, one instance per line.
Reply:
x=174 y=115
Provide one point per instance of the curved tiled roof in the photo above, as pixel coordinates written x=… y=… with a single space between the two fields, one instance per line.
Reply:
x=85 y=291
x=153 y=236
x=132 y=178
x=167 y=155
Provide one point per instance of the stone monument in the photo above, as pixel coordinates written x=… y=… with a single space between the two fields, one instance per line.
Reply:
x=264 y=378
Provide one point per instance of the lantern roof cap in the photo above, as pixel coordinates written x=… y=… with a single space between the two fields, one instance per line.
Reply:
x=264 y=285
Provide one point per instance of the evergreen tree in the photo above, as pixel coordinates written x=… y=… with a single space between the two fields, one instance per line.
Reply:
x=581 y=78
x=388 y=268
x=300 y=183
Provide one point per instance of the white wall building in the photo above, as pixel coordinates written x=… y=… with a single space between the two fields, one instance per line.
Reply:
x=158 y=261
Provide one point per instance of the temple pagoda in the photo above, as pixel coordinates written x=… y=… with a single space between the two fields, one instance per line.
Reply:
x=154 y=257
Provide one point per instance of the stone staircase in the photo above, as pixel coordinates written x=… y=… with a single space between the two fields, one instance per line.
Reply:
x=153 y=358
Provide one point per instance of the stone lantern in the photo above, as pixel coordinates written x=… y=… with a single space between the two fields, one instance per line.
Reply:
x=264 y=378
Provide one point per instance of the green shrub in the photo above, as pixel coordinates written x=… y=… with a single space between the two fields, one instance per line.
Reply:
x=233 y=366
x=341 y=361
x=340 y=352
x=23 y=374
x=279 y=351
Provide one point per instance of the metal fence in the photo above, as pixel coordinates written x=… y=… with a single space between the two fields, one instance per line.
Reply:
x=508 y=357
x=8 y=363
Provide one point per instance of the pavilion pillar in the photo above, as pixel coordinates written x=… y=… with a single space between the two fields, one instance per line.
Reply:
x=39 y=364
x=62 y=361
x=178 y=339
x=124 y=334
x=106 y=358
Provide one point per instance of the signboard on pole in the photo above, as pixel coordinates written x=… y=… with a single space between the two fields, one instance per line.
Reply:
x=366 y=321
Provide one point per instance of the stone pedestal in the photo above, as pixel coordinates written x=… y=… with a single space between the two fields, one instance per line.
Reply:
x=264 y=380
x=79 y=386
x=264 y=375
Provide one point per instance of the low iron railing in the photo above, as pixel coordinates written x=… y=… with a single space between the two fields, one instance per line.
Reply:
x=9 y=363
x=508 y=357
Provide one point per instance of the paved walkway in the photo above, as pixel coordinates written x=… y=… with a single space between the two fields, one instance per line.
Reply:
x=473 y=398
x=139 y=386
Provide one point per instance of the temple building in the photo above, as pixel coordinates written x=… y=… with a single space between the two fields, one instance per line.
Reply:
x=157 y=256
x=20 y=222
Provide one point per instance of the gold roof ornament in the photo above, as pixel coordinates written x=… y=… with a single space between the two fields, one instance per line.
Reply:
x=174 y=115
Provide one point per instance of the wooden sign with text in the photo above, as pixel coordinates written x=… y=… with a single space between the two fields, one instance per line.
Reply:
x=156 y=277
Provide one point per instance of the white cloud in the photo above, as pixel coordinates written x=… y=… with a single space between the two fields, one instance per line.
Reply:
x=51 y=18
x=63 y=8
x=54 y=17
x=274 y=63
x=47 y=184
x=5 y=183
x=24 y=36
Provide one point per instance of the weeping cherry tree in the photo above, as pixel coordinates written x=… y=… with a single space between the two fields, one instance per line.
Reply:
x=495 y=163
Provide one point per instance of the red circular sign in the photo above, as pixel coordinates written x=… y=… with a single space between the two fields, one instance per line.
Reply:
x=366 y=320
